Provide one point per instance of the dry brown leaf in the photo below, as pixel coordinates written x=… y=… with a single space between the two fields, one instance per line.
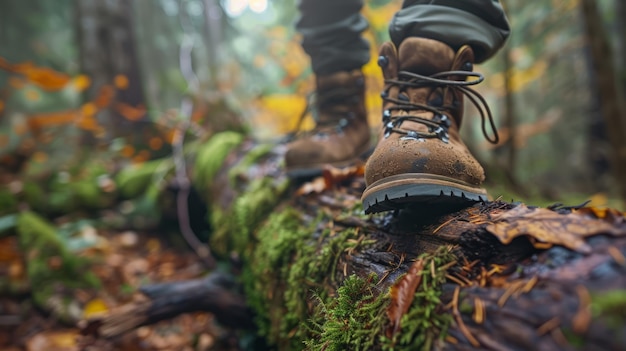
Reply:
x=331 y=176
x=402 y=294
x=64 y=340
x=608 y=215
x=316 y=186
x=546 y=228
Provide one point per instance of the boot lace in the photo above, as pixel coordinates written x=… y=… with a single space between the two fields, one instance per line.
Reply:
x=437 y=126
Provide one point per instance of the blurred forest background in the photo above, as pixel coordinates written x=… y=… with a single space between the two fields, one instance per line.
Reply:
x=100 y=100
x=94 y=86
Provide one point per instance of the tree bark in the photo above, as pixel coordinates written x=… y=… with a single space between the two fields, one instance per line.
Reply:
x=107 y=50
x=492 y=276
x=608 y=89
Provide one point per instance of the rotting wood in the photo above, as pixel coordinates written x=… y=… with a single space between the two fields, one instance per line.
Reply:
x=501 y=288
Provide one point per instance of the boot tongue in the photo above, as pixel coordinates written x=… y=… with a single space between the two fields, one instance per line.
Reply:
x=424 y=56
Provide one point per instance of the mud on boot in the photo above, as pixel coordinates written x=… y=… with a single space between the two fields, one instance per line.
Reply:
x=420 y=159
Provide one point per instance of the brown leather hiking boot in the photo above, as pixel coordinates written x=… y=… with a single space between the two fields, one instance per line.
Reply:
x=420 y=158
x=341 y=134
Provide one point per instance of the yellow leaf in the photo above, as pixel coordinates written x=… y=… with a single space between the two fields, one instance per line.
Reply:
x=282 y=110
x=88 y=109
x=95 y=308
x=598 y=200
x=81 y=82
x=121 y=81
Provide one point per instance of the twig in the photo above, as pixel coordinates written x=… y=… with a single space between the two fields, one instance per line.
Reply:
x=459 y=320
x=582 y=318
x=182 y=180
x=548 y=326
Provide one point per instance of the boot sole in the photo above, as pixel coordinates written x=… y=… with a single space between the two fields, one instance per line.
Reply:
x=316 y=170
x=418 y=189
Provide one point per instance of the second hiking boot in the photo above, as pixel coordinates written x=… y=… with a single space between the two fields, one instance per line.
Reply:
x=420 y=159
x=341 y=134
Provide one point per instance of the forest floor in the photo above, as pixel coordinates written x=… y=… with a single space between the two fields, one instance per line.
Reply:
x=124 y=261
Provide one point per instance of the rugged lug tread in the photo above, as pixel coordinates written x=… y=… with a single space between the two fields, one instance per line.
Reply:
x=426 y=195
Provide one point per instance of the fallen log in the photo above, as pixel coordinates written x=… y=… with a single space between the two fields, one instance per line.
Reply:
x=320 y=274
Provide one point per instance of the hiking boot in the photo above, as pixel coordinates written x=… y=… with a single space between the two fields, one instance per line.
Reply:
x=341 y=134
x=420 y=160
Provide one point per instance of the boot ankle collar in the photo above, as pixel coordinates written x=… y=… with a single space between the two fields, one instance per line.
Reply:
x=439 y=124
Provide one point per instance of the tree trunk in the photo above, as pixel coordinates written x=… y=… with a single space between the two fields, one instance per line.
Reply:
x=608 y=89
x=108 y=55
x=620 y=12
x=315 y=269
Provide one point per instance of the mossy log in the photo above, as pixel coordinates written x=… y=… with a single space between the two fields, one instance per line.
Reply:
x=320 y=274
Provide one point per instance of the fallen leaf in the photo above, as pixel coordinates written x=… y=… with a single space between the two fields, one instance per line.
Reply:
x=81 y=82
x=316 y=186
x=608 y=215
x=132 y=113
x=331 y=176
x=546 y=228
x=402 y=295
x=95 y=308
x=53 y=341
x=120 y=81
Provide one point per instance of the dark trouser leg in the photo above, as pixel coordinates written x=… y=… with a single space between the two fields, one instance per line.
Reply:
x=481 y=24
x=331 y=34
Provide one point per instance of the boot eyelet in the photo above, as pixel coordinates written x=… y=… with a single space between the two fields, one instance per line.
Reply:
x=467 y=66
x=443 y=120
x=321 y=136
x=384 y=94
x=442 y=134
x=383 y=61
x=437 y=101
x=386 y=116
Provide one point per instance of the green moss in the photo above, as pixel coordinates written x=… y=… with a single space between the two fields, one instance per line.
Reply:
x=575 y=340
x=313 y=270
x=40 y=242
x=35 y=195
x=611 y=306
x=234 y=227
x=134 y=180
x=8 y=202
x=355 y=320
x=425 y=322
x=211 y=156
x=287 y=270
x=278 y=243
x=290 y=278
